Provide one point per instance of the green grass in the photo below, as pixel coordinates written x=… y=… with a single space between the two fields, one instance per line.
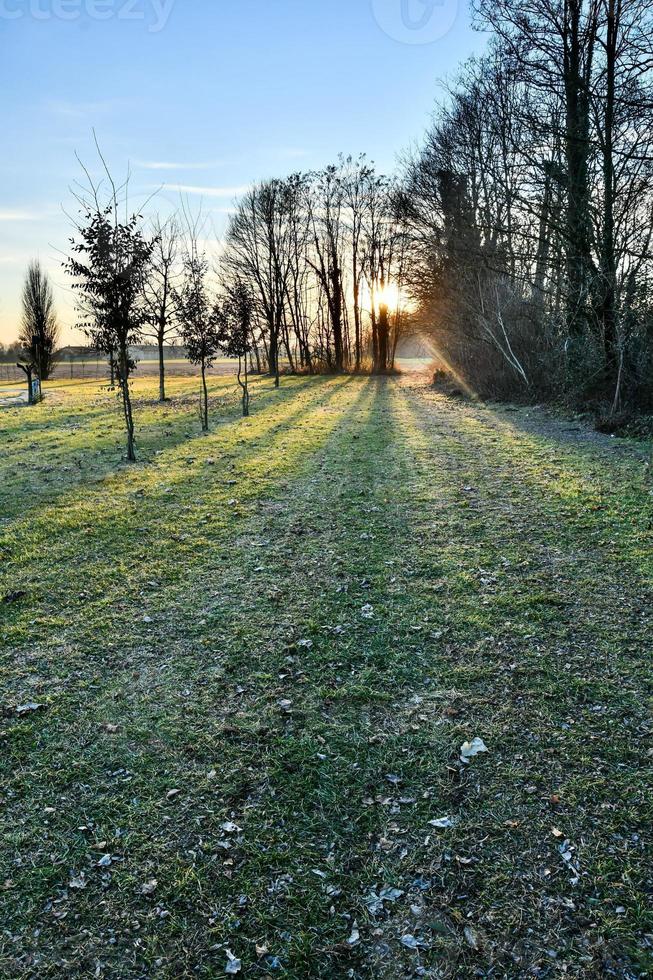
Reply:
x=199 y=623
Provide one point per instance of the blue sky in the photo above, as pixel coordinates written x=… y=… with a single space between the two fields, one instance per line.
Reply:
x=204 y=95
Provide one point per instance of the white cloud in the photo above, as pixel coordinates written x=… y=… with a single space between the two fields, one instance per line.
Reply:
x=206 y=191
x=10 y=215
x=293 y=153
x=166 y=165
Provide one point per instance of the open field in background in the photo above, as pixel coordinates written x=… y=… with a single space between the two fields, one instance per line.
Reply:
x=237 y=677
x=97 y=369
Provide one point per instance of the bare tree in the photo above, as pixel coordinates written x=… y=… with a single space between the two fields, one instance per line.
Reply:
x=199 y=320
x=325 y=205
x=259 y=253
x=357 y=180
x=236 y=333
x=159 y=290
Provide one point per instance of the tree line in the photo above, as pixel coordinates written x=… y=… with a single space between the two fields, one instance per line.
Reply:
x=530 y=204
x=517 y=236
x=325 y=257
x=311 y=277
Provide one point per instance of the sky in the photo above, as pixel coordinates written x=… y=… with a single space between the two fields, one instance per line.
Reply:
x=200 y=98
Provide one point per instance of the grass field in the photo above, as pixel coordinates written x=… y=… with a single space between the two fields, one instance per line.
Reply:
x=97 y=369
x=248 y=663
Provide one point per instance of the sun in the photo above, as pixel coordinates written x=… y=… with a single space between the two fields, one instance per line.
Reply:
x=390 y=296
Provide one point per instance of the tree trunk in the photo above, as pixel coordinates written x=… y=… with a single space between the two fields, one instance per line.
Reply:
x=27 y=368
x=257 y=355
x=375 y=340
x=543 y=244
x=273 y=355
x=123 y=381
x=162 y=366
x=609 y=260
x=383 y=335
x=277 y=380
x=244 y=384
x=205 y=401
x=357 y=323
x=288 y=346
x=395 y=341
x=336 y=316
x=577 y=148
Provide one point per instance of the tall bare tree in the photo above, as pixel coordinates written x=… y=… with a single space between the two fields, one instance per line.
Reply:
x=159 y=287
x=259 y=253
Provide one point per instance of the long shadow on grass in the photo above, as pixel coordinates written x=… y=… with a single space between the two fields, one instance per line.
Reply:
x=269 y=700
x=78 y=462
x=104 y=481
x=313 y=779
x=123 y=535
x=545 y=647
x=293 y=805
x=542 y=562
x=567 y=494
x=575 y=477
x=79 y=416
x=65 y=751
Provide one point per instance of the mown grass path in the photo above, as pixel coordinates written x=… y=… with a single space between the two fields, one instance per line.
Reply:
x=257 y=656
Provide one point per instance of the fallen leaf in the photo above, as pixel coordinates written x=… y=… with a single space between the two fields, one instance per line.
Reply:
x=468 y=750
x=390 y=894
x=355 y=936
x=442 y=823
x=149 y=887
x=471 y=937
x=234 y=965
x=26 y=709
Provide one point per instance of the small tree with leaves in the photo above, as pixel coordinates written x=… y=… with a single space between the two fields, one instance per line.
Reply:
x=109 y=262
x=237 y=315
x=199 y=322
x=39 y=332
